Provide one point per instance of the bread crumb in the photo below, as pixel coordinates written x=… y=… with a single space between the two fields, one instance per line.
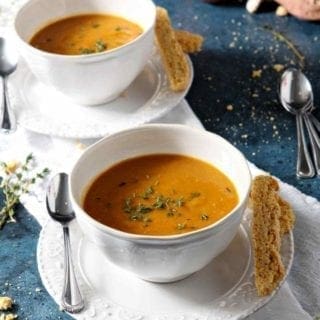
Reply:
x=256 y=73
x=278 y=67
x=124 y=94
x=5 y=303
x=229 y=107
x=281 y=11
x=80 y=145
x=9 y=316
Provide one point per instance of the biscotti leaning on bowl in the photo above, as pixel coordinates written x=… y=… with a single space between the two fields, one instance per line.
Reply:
x=172 y=45
x=272 y=218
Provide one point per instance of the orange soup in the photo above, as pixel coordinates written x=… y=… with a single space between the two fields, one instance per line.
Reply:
x=160 y=195
x=85 y=34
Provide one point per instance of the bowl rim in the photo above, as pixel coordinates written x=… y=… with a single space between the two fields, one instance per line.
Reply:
x=140 y=237
x=93 y=56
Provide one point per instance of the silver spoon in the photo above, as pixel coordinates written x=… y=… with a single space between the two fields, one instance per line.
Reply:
x=306 y=91
x=296 y=99
x=59 y=208
x=8 y=64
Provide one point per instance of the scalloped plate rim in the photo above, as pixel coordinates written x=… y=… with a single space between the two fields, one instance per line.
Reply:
x=289 y=256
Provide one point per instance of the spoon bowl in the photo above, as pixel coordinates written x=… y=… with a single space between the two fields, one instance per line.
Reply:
x=8 y=57
x=8 y=64
x=58 y=204
x=295 y=91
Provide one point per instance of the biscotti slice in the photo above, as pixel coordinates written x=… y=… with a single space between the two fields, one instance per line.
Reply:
x=173 y=57
x=266 y=239
x=287 y=217
x=189 y=42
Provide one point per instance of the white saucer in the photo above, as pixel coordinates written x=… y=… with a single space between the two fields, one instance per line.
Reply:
x=44 y=110
x=222 y=290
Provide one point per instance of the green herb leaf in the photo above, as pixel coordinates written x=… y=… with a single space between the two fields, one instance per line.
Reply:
x=204 y=216
x=146 y=194
x=128 y=205
x=194 y=195
x=100 y=46
x=181 y=226
x=141 y=208
x=180 y=202
x=86 y=51
x=160 y=203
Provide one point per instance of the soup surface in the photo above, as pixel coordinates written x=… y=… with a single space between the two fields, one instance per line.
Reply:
x=85 y=34
x=160 y=195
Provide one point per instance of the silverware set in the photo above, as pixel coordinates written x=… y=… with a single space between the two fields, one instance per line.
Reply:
x=296 y=96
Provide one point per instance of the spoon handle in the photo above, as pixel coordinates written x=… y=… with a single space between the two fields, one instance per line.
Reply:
x=305 y=167
x=72 y=300
x=314 y=141
x=8 y=120
x=315 y=121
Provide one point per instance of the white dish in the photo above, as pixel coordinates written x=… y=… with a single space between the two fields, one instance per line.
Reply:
x=222 y=290
x=90 y=79
x=165 y=258
x=44 y=110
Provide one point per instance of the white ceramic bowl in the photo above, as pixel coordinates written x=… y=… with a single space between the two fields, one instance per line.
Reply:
x=87 y=79
x=161 y=258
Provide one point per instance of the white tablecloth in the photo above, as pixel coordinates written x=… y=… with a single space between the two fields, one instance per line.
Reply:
x=303 y=286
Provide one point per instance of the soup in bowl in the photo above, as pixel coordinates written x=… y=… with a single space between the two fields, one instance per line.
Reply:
x=160 y=201
x=90 y=51
x=160 y=194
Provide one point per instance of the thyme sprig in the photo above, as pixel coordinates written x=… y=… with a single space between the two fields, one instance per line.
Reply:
x=282 y=38
x=138 y=206
x=17 y=180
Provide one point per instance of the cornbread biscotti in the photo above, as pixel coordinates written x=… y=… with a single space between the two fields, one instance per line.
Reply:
x=189 y=42
x=173 y=57
x=266 y=239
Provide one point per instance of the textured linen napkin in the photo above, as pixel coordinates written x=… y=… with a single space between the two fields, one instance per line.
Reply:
x=303 y=283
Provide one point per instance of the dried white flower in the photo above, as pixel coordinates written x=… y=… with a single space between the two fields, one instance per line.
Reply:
x=5 y=303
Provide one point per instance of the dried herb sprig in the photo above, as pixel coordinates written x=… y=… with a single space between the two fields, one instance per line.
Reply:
x=281 y=37
x=16 y=181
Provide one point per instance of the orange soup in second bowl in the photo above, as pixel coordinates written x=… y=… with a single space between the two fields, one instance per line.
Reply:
x=160 y=194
